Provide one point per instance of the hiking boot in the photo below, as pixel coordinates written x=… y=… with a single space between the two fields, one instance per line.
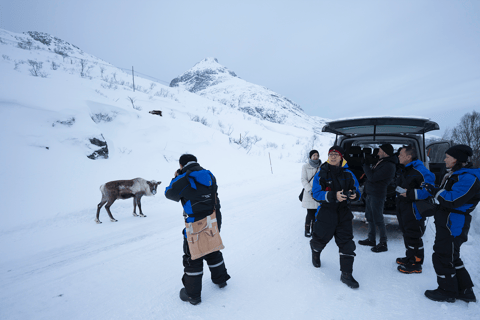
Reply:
x=184 y=297
x=439 y=295
x=367 y=242
x=316 y=258
x=348 y=279
x=222 y=285
x=410 y=268
x=403 y=260
x=381 y=247
x=308 y=233
x=467 y=295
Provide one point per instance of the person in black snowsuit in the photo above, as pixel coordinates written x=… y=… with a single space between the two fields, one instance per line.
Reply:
x=411 y=222
x=379 y=176
x=334 y=186
x=196 y=188
x=457 y=198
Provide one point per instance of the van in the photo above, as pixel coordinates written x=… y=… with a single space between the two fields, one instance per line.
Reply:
x=361 y=138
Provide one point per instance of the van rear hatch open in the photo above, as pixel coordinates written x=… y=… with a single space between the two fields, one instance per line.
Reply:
x=380 y=125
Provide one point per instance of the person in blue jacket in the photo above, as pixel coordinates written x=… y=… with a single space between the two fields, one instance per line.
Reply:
x=196 y=188
x=457 y=197
x=411 y=223
x=334 y=186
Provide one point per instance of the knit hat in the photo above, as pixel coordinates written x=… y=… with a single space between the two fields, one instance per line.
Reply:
x=186 y=158
x=387 y=148
x=312 y=153
x=337 y=149
x=460 y=152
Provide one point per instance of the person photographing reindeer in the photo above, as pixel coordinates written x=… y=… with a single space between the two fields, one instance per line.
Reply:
x=196 y=188
x=334 y=186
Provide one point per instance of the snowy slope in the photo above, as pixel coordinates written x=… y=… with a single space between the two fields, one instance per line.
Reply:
x=56 y=263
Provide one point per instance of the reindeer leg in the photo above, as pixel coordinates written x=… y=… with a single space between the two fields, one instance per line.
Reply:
x=99 y=206
x=107 y=207
x=140 y=206
x=135 y=207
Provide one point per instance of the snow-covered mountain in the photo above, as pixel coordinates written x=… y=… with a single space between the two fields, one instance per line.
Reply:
x=213 y=81
x=45 y=60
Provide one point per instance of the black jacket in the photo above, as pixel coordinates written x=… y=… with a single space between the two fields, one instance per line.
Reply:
x=197 y=189
x=328 y=181
x=380 y=175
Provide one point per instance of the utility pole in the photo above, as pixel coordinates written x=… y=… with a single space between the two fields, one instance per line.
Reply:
x=271 y=168
x=133 y=78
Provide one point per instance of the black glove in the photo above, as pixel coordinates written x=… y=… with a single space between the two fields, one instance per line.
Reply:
x=430 y=188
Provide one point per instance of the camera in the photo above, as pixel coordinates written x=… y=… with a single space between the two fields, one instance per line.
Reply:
x=349 y=194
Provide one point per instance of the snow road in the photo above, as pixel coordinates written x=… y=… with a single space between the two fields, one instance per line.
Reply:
x=70 y=268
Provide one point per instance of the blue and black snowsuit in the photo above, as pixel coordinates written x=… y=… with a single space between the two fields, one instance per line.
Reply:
x=333 y=218
x=411 y=223
x=196 y=188
x=458 y=197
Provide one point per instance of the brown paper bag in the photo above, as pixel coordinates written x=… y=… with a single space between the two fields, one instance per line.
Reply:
x=203 y=236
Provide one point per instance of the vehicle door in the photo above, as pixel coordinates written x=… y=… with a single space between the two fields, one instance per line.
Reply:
x=435 y=156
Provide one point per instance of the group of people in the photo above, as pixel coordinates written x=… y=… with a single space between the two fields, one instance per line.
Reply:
x=329 y=188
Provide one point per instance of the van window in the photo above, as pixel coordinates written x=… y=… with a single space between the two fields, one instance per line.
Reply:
x=436 y=152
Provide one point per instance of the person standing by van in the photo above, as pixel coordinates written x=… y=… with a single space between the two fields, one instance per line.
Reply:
x=379 y=177
x=309 y=170
x=334 y=186
x=411 y=223
x=458 y=196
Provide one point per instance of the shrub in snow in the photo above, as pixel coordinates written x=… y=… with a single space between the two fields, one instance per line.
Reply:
x=5 y=57
x=44 y=38
x=103 y=117
x=203 y=120
x=69 y=122
x=132 y=100
x=271 y=145
x=36 y=67
x=17 y=63
x=60 y=52
x=54 y=66
x=165 y=94
x=25 y=44
x=245 y=142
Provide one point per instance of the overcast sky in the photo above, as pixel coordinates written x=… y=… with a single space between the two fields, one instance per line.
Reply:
x=334 y=58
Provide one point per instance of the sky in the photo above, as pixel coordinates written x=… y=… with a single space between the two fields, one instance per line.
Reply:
x=335 y=59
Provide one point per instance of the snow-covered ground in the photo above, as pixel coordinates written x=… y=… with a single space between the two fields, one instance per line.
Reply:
x=56 y=263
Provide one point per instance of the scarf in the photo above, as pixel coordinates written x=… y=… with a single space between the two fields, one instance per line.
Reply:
x=314 y=163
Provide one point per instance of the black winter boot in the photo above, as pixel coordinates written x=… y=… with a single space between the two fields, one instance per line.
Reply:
x=410 y=268
x=222 y=285
x=467 y=295
x=402 y=260
x=348 y=279
x=308 y=233
x=184 y=297
x=316 y=258
x=367 y=242
x=439 y=295
x=381 y=247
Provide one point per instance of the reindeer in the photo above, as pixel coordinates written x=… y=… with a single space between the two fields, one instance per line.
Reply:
x=124 y=189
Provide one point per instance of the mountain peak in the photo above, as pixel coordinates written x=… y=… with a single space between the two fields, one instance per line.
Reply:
x=208 y=72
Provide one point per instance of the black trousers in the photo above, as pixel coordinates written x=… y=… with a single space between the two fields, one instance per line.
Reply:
x=452 y=275
x=193 y=270
x=412 y=230
x=335 y=222
x=310 y=218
